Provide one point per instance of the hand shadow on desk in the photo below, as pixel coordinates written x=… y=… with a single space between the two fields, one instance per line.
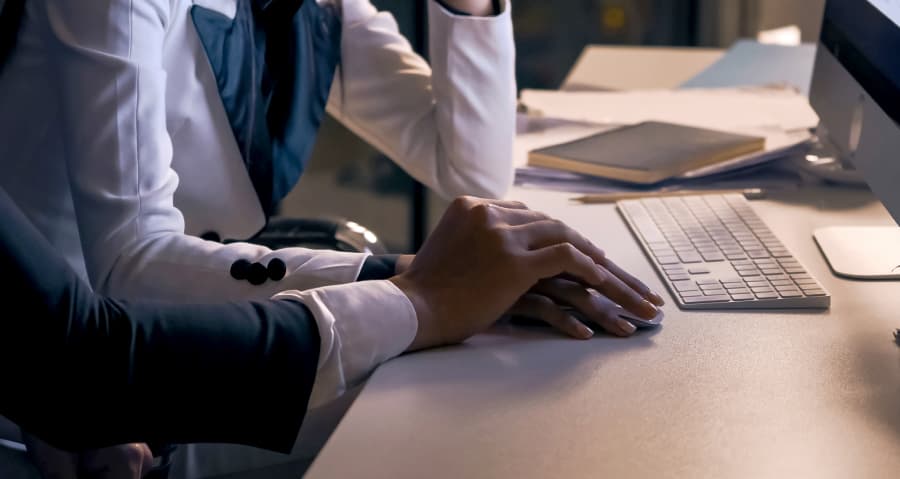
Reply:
x=508 y=365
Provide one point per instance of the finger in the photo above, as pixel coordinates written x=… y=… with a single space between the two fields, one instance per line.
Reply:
x=633 y=282
x=539 y=307
x=565 y=259
x=593 y=307
x=548 y=232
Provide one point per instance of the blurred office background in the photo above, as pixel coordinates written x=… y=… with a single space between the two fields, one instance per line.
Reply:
x=349 y=179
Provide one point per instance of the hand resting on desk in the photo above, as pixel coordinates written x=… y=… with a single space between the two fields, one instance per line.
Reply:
x=487 y=258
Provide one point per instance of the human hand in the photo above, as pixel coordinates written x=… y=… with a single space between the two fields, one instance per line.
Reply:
x=485 y=255
x=127 y=461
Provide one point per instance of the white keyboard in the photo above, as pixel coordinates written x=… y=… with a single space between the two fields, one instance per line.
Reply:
x=714 y=252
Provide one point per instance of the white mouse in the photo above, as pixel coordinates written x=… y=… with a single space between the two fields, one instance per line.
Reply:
x=640 y=322
x=632 y=318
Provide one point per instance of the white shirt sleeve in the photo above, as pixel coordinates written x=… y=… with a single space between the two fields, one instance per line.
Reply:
x=451 y=125
x=360 y=325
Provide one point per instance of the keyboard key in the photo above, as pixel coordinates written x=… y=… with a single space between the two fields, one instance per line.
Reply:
x=734 y=285
x=678 y=276
x=815 y=292
x=690 y=257
x=736 y=256
x=743 y=262
x=787 y=288
x=767 y=295
x=698 y=270
x=782 y=282
x=806 y=282
x=684 y=286
x=742 y=297
x=723 y=298
x=791 y=294
x=797 y=276
x=674 y=267
x=749 y=273
x=715 y=292
x=755 y=254
x=738 y=290
x=762 y=289
x=780 y=253
x=707 y=281
x=748 y=267
x=690 y=294
x=668 y=260
x=707 y=287
x=713 y=257
x=794 y=269
x=771 y=271
x=663 y=251
x=788 y=261
x=757 y=282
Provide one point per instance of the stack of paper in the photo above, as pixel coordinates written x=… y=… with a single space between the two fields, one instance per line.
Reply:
x=784 y=117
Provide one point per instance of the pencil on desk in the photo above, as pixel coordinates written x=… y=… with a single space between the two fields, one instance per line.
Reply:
x=749 y=193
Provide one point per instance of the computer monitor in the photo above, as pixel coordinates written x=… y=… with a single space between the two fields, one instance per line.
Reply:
x=856 y=92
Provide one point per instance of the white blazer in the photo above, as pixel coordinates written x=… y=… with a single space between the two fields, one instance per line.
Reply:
x=115 y=142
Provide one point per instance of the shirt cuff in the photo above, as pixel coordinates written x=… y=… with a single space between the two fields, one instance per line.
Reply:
x=361 y=325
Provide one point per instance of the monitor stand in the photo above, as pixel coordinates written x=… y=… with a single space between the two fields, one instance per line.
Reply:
x=861 y=252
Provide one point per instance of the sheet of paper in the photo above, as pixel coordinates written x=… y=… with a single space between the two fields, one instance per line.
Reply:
x=741 y=110
x=750 y=63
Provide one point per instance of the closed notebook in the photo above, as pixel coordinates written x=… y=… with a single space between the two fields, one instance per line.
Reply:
x=646 y=153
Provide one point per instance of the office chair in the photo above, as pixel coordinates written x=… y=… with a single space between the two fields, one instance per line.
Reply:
x=327 y=233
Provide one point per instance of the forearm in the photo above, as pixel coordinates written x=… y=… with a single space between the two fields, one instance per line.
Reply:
x=450 y=124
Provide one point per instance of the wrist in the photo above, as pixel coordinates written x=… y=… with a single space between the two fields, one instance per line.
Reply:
x=403 y=263
x=428 y=333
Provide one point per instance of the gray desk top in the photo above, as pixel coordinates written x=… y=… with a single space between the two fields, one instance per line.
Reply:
x=714 y=394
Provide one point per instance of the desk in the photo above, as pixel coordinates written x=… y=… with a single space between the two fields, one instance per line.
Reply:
x=716 y=394
x=710 y=394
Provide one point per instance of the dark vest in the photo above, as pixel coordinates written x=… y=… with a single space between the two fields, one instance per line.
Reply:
x=274 y=64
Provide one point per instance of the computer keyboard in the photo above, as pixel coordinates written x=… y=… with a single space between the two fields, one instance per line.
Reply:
x=713 y=252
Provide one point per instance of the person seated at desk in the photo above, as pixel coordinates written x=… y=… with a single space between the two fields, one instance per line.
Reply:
x=127 y=125
x=85 y=371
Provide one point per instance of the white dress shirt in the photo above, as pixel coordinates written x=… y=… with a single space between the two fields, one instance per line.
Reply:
x=115 y=143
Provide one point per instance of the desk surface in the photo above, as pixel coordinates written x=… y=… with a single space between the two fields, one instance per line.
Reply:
x=712 y=394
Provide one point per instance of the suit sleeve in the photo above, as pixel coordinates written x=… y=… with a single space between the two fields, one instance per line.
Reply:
x=109 y=77
x=83 y=371
x=451 y=125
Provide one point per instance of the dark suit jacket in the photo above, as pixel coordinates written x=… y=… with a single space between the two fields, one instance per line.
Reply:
x=83 y=371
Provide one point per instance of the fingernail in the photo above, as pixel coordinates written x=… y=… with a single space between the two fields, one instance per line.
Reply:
x=585 y=332
x=648 y=310
x=626 y=327
x=657 y=299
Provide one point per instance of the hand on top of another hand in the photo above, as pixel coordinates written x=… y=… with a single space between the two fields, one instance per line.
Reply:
x=486 y=257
